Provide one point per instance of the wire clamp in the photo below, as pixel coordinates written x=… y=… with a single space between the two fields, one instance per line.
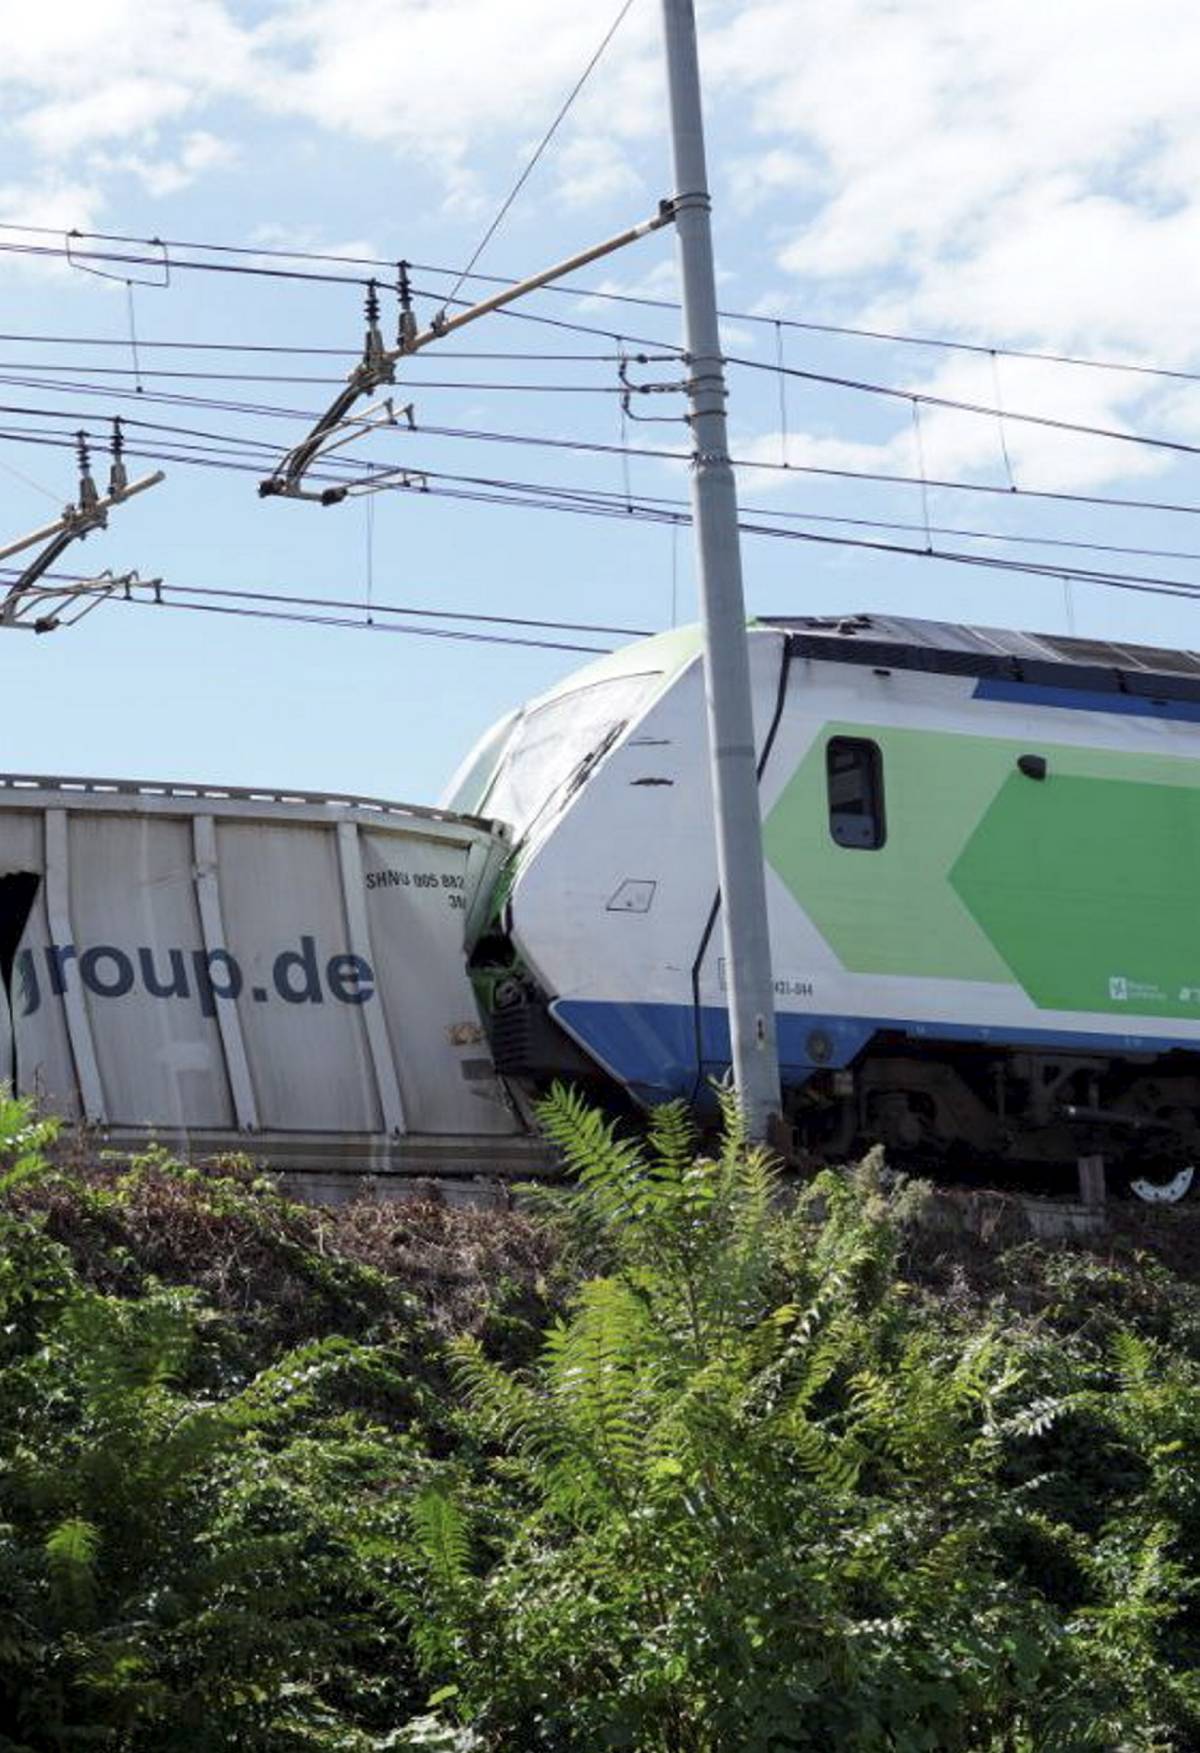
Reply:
x=631 y=389
x=77 y=258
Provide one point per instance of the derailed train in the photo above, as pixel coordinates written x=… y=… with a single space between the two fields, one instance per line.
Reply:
x=983 y=873
x=983 y=858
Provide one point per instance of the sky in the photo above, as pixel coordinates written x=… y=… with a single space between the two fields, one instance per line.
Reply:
x=1025 y=179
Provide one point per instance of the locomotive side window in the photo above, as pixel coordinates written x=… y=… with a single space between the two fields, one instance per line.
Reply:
x=854 y=769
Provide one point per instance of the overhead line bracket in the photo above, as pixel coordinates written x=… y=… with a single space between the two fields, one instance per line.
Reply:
x=378 y=363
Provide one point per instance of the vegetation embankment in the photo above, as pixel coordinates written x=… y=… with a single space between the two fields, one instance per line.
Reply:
x=671 y=1464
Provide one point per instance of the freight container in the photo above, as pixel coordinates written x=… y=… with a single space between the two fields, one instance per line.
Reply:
x=268 y=971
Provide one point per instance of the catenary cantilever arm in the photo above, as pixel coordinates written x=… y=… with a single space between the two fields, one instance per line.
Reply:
x=76 y=522
x=378 y=366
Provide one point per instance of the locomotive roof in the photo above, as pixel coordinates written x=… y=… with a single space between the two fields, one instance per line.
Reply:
x=948 y=648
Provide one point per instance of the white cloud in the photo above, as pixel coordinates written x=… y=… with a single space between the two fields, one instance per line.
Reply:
x=1025 y=175
x=50 y=202
x=589 y=171
x=739 y=336
x=441 y=79
x=199 y=152
x=114 y=111
x=30 y=208
x=660 y=280
x=1027 y=169
x=78 y=72
x=1179 y=412
x=450 y=83
x=779 y=172
x=1082 y=271
x=307 y=237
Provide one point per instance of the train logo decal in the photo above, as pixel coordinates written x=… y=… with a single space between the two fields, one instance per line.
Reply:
x=298 y=976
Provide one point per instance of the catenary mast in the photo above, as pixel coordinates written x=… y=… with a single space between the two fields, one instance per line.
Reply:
x=726 y=654
x=747 y=958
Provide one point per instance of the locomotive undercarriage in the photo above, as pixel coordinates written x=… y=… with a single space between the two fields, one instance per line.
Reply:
x=975 y=1110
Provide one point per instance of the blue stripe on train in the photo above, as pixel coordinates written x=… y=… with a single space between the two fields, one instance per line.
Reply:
x=1087 y=700
x=652 y=1048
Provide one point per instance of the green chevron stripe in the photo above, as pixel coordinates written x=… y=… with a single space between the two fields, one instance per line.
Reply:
x=1067 y=884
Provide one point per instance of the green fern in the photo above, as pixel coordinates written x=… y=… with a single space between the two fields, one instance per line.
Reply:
x=592 y=1366
x=672 y=1139
x=441 y=1535
x=505 y=1407
x=71 y=1549
x=1132 y=1359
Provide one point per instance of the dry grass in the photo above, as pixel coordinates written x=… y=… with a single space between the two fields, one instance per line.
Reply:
x=290 y=1271
x=378 y=1268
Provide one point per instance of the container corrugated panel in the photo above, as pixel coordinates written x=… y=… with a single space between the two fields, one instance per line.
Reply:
x=276 y=968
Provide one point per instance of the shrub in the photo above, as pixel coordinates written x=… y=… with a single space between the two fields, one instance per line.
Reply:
x=718 y=1471
x=191 y=1556
x=758 y=1492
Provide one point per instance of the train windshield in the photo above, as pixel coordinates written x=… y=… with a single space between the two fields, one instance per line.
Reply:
x=552 y=747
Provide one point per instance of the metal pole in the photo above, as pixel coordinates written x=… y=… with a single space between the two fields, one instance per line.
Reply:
x=726 y=654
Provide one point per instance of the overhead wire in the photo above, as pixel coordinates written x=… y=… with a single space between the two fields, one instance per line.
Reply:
x=472 y=386
x=450 y=351
x=928 y=399
x=740 y=361
x=1055 y=570
x=127 y=260
x=371 y=606
x=1108 y=578
x=646 y=301
x=542 y=145
x=243 y=453
x=1138 y=583
x=267 y=411
x=372 y=626
x=907 y=394
x=599 y=447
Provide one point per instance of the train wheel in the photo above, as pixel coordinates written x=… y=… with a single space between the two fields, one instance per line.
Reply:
x=1166 y=1186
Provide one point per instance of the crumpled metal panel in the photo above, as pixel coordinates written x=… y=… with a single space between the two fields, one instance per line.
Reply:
x=418 y=895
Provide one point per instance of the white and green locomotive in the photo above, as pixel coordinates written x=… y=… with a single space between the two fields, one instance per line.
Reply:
x=983 y=873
